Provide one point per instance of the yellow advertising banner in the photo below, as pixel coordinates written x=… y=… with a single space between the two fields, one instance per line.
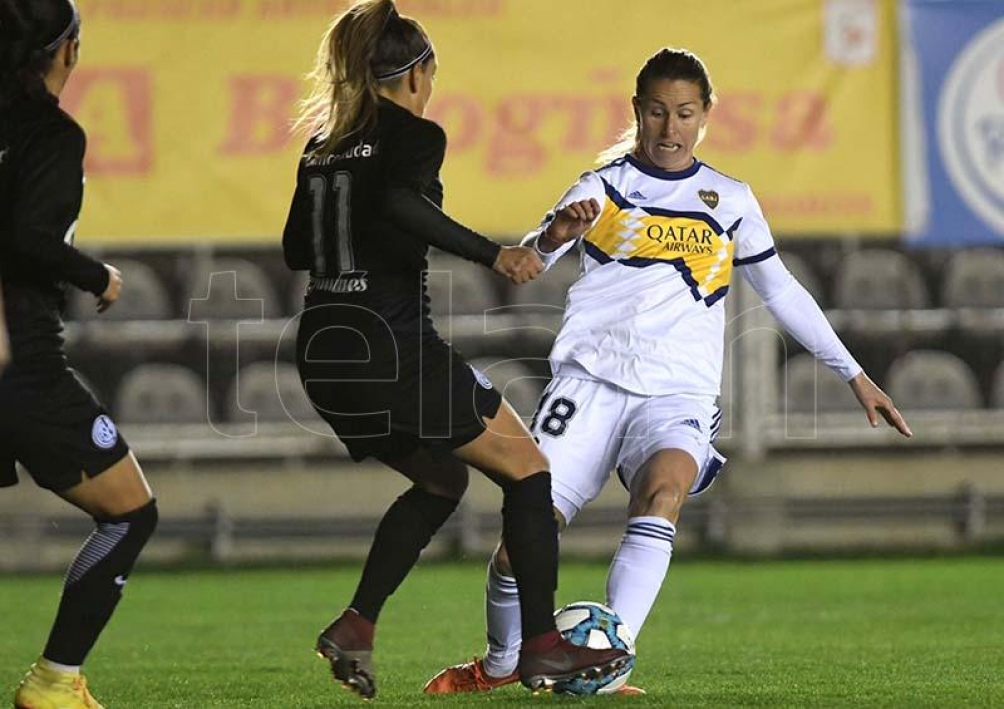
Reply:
x=188 y=106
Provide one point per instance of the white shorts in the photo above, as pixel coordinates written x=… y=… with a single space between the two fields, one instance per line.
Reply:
x=589 y=428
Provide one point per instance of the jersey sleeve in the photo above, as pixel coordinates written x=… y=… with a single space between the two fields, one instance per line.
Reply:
x=754 y=242
x=414 y=156
x=48 y=196
x=413 y=159
x=588 y=186
x=796 y=310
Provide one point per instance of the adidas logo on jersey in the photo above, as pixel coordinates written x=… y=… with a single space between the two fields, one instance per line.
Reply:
x=637 y=195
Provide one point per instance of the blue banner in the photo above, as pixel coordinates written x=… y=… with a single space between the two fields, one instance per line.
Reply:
x=953 y=121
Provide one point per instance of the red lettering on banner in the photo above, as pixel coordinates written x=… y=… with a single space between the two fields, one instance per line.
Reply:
x=130 y=10
x=114 y=106
x=260 y=111
x=801 y=122
x=517 y=132
x=513 y=148
x=423 y=8
x=463 y=119
x=817 y=204
x=732 y=126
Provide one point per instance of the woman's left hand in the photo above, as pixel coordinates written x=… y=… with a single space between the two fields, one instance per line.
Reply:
x=875 y=402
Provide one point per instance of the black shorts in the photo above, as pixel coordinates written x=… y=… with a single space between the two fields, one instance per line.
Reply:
x=56 y=429
x=386 y=392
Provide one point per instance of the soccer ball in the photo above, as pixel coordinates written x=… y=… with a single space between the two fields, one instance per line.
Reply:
x=597 y=626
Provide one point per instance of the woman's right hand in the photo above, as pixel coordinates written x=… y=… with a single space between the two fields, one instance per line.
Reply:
x=519 y=264
x=571 y=222
x=111 y=293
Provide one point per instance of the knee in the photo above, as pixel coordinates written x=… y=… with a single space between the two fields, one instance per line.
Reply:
x=452 y=487
x=142 y=522
x=531 y=461
x=664 y=499
x=500 y=561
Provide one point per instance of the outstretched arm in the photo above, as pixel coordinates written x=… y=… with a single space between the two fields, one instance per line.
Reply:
x=417 y=214
x=798 y=312
x=573 y=215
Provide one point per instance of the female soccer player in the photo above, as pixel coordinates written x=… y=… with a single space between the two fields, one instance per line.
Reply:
x=637 y=362
x=365 y=210
x=48 y=421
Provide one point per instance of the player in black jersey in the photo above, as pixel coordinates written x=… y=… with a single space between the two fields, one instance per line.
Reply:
x=366 y=208
x=49 y=422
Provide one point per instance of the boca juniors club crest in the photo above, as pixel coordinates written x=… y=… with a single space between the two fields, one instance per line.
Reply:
x=709 y=197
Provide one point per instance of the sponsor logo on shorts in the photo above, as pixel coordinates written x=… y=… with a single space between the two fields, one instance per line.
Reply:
x=693 y=423
x=480 y=376
x=103 y=433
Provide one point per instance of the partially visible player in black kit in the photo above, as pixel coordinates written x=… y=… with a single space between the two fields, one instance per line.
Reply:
x=365 y=211
x=49 y=422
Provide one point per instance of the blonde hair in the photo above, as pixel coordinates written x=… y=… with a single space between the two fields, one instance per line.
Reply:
x=672 y=64
x=368 y=40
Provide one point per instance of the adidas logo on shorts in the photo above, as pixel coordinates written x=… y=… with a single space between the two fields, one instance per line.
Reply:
x=693 y=423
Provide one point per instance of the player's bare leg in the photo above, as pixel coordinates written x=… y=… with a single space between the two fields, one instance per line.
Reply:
x=347 y=643
x=120 y=501
x=508 y=454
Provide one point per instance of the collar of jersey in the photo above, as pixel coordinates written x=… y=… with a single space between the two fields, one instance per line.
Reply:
x=661 y=174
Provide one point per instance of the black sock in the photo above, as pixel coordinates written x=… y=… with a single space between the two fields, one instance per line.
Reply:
x=530 y=533
x=94 y=583
x=404 y=532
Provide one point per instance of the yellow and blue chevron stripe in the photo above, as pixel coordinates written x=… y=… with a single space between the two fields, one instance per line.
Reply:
x=692 y=242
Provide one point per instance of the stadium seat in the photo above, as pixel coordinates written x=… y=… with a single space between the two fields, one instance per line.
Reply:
x=808 y=386
x=974 y=279
x=143 y=296
x=805 y=275
x=161 y=393
x=997 y=391
x=933 y=381
x=251 y=284
x=516 y=381
x=459 y=287
x=879 y=279
x=273 y=391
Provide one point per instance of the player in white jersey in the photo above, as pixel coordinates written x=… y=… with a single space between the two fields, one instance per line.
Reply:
x=637 y=363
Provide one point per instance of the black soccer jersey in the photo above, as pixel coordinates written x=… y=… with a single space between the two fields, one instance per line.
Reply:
x=362 y=218
x=41 y=190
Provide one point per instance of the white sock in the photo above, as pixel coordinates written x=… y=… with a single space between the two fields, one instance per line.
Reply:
x=504 y=624
x=639 y=568
x=56 y=667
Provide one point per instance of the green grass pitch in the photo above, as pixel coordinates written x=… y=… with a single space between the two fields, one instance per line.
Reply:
x=896 y=633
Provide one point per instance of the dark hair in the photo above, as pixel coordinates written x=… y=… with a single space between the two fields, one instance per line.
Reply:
x=31 y=32
x=671 y=64
x=369 y=44
x=676 y=64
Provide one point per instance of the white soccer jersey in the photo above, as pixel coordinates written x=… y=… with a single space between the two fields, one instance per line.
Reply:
x=648 y=312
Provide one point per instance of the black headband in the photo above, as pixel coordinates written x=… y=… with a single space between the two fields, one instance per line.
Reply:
x=73 y=27
x=404 y=69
